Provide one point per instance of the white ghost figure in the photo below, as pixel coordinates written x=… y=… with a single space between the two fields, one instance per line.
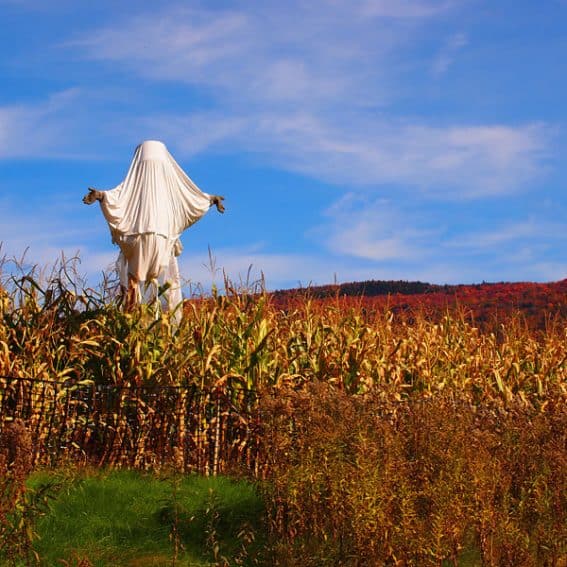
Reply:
x=146 y=215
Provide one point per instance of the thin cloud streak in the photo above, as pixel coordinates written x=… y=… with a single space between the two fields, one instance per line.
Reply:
x=247 y=264
x=448 y=53
x=41 y=236
x=529 y=230
x=282 y=270
x=32 y=130
x=281 y=95
x=403 y=8
x=372 y=230
x=457 y=162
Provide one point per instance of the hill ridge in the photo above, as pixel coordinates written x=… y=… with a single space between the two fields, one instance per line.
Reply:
x=373 y=288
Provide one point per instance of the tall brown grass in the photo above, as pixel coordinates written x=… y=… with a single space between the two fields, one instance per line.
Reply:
x=358 y=480
x=19 y=505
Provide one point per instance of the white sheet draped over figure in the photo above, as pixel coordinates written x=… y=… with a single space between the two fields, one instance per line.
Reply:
x=146 y=215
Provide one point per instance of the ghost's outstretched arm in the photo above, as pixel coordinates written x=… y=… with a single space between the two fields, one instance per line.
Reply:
x=217 y=200
x=92 y=196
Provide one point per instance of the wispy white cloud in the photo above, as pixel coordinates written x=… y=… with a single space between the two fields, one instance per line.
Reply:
x=74 y=124
x=455 y=162
x=419 y=243
x=300 y=87
x=333 y=52
x=181 y=44
x=309 y=89
x=295 y=269
x=404 y=8
x=448 y=53
x=528 y=231
x=195 y=133
x=40 y=232
x=247 y=265
x=374 y=230
x=270 y=55
x=285 y=270
x=512 y=251
x=36 y=129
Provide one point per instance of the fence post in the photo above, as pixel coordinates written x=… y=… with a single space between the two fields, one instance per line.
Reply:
x=217 y=433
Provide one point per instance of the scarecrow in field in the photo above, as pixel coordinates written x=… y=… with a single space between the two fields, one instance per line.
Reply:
x=146 y=215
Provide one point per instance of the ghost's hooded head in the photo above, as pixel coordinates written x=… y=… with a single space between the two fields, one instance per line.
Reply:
x=157 y=196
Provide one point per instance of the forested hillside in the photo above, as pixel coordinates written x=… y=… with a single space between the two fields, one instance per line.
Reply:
x=538 y=303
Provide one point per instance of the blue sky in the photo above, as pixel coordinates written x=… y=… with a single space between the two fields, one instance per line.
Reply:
x=352 y=139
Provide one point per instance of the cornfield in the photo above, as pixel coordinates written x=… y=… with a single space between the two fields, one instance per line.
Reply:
x=55 y=332
x=427 y=434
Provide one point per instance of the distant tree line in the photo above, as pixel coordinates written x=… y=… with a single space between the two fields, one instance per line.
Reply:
x=368 y=288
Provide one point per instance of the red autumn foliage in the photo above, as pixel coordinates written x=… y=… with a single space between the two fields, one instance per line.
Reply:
x=487 y=304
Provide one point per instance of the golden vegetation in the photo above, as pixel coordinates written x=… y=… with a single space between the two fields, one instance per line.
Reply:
x=55 y=332
x=383 y=440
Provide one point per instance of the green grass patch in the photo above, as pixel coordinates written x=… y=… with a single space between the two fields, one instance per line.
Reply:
x=121 y=518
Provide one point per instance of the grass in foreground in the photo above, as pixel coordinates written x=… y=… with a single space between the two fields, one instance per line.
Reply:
x=129 y=518
x=121 y=518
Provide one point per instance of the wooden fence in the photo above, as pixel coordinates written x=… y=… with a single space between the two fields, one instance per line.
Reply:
x=209 y=431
